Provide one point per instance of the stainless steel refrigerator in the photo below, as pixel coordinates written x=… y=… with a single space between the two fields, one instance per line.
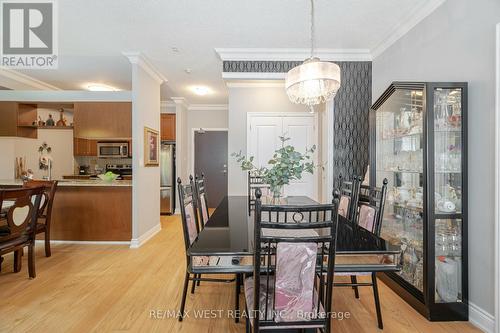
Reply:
x=167 y=185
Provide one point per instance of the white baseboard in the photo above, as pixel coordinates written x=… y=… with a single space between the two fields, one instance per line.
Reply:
x=138 y=242
x=481 y=319
x=39 y=241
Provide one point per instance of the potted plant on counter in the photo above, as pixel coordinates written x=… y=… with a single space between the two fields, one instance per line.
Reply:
x=287 y=164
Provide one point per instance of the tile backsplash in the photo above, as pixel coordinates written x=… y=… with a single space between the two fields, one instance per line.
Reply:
x=99 y=163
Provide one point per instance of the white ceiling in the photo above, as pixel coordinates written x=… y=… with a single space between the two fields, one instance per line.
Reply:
x=94 y=33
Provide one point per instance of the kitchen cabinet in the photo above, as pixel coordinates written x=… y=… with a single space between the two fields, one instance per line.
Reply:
x=103 y=120
x=84 y=147
x=18 y=119
x=167 y=128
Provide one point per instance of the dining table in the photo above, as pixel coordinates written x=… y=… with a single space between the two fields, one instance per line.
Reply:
x=228 y=236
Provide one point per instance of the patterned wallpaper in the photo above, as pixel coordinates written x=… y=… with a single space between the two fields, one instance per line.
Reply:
x=351 y=115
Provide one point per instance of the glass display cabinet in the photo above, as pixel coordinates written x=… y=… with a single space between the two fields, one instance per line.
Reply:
x=418 y=142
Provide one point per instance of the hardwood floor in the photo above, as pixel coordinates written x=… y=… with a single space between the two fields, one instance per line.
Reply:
x=104 y=288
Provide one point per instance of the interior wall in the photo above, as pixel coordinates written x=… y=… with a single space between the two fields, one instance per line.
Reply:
x=242 y=100
x=145 y=113
x=7 y=161
x=456 y=43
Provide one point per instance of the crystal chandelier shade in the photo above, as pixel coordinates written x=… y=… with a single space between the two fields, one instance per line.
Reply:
x=314 y=81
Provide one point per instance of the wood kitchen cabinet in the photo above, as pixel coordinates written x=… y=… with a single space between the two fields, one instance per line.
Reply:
x=167 y=128
x=102 y=120
x=18 y=119
x=84 y=147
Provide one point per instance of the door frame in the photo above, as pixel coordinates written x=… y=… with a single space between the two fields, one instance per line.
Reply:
x=193 y=132
x=318 y=140
x=497 y=178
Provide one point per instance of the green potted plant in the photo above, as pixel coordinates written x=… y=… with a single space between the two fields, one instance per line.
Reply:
x=286 y=164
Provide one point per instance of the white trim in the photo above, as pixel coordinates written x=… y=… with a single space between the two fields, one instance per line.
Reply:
x=253 y=84
x=481 y=319
x=405 y=25
x=139 y=59
x=251 y=76
x=24 y=80
x=292 y=54
x=167 y=104
x=39 y=241
x=191 y=145
x=497 y=181
x=179 y=101
x=136 y=243
x=208 y=107
x=330 y=111
x=65 y=96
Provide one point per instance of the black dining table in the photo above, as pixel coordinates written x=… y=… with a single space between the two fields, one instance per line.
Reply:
x=228 y=234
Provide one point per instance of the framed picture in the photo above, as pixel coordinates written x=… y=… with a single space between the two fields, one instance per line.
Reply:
x=151 y=147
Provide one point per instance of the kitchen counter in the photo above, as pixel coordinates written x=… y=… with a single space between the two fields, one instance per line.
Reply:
x=72 y=182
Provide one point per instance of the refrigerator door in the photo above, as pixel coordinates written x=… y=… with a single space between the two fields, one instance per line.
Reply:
x=166 y=164
x=166 y=200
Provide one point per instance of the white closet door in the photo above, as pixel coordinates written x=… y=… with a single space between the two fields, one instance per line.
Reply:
x=302 y=134
x=264 y=138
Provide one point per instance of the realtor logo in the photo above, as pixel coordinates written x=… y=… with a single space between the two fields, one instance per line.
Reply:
x=28 y=33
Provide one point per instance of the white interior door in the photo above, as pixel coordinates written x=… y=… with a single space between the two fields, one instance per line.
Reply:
x=263 y=140
x=301 y=131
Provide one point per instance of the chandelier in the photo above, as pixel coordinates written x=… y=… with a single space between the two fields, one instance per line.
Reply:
x=314 y=81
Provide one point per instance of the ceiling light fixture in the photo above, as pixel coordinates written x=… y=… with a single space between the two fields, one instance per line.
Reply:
x=314 y=81
x=100 y=87
x=201 y=90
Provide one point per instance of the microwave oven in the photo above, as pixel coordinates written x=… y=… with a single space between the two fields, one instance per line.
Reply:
x=112 y=149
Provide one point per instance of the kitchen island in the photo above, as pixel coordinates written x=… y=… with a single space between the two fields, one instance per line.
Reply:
x=90 y=210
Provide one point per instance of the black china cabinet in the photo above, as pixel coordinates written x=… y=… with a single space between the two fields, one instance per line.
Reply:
x=418 y=141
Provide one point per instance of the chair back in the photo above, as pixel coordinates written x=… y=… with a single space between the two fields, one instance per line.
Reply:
x=364 y=193
x=255 y=182
x=201 y=197
x=187 y=203
x=371 y=211
x=47 y=200
x=349 y=194
x=293 y=247
x=22 y=215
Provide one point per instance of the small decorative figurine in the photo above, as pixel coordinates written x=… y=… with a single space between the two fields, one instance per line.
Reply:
x=40 y=121
x=61 y=121
x=50 y=121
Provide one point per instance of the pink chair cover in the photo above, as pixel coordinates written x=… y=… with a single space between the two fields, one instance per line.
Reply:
x=344 y=205
x=191 y=223
x=204 y=209
x=294 y=287
x=366 y=217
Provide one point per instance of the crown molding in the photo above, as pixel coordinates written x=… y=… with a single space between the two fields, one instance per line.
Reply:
x=24 y=80
x=181 y=101
x=167 y=104
x=208 y=107
x=292 y=54
x=406 y=25
x=139 y=59
x=253 y=76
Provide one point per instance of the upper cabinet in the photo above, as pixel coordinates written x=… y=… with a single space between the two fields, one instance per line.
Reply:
x=18 y=119
x=167 y=131
x=103 y=120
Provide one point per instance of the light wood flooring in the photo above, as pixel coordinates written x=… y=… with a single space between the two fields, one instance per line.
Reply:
x=110 y=288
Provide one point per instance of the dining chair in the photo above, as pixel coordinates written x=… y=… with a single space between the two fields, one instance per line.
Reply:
x=364 y=193
x=349 y=193
x=20 y=228
x=201 y=198
x=45 y=211
x=293 y=247
x=255 y=182
x=196 y=266
x=369 y=216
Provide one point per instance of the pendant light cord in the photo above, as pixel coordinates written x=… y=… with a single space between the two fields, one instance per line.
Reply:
x=312 y=29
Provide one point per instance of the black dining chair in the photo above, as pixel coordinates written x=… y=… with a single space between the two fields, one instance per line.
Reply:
x=201 y=198
x=293 y=248
x=255 y=182
x=19 y=230
x=369 y=216
x=196 y=266
x=349 y=193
